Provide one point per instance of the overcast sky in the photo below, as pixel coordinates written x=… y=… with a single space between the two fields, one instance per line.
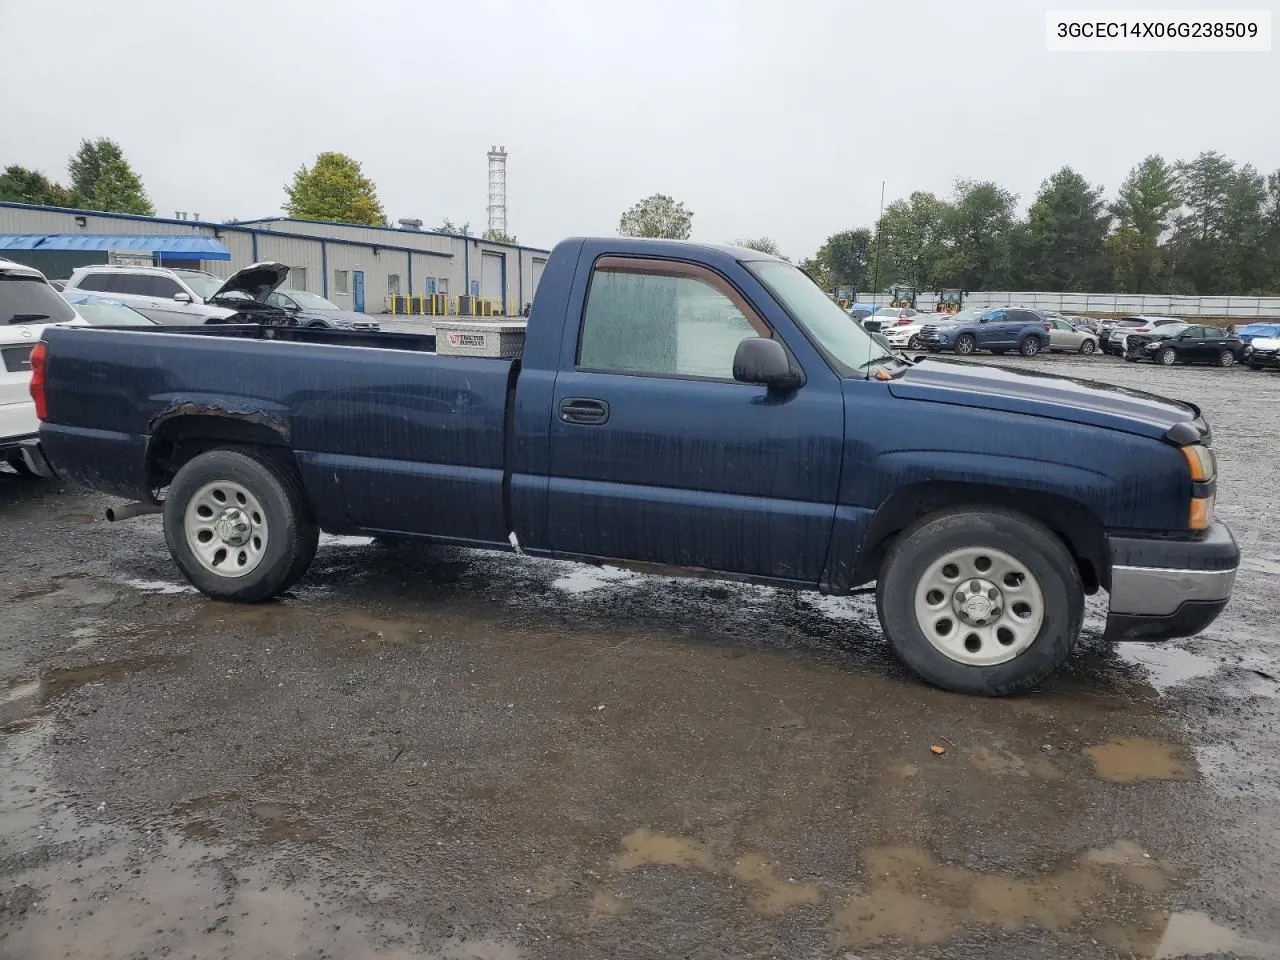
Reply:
x=776 y=117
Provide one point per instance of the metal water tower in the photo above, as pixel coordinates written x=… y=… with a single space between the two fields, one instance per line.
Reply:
x=498 y=190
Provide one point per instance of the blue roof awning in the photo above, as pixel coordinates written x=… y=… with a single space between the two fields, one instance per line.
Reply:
x=173 y=247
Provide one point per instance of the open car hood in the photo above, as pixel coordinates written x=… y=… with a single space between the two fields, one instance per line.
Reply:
x=255 y=281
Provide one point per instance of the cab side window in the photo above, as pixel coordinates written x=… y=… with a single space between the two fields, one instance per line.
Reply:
x=663 y=318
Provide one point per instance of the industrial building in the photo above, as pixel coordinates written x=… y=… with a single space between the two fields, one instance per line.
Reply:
x=357 y=267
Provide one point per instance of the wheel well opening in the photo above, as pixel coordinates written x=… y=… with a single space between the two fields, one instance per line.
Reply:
x=179 y=439
x=1079 y=529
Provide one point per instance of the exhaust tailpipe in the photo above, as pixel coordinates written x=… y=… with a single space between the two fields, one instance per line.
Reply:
x=129 y=510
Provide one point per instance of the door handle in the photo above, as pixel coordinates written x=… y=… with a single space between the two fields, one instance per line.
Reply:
x=582 y=410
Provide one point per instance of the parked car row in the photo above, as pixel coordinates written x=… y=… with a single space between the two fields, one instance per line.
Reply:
x=1163 y=340
x=185 y=297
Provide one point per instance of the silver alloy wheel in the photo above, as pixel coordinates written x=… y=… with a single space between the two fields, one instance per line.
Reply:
x=1227 y=359
x=965 y=345
x=1030 y=347
x=914 y=342
x=226 y=528
x=1088 y=346
x=1168 y=356
x=979 y=606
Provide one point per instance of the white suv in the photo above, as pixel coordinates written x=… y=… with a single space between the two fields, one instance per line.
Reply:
x=186 y=296
x=28 y=304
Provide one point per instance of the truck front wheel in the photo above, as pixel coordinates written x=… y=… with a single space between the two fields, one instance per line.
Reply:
x=237 y=525
x=980 y=600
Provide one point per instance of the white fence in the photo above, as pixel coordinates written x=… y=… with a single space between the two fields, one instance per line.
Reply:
x=1107 y=303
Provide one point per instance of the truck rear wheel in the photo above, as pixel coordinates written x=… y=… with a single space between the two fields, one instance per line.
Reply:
x=980 y=600
x=237 y=525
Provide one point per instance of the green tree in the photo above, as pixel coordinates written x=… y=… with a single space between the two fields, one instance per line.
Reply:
x=817 y=271
x=497 y=236
x=846 y=259
x=458 y=230
x=657 y=216
x=102 y=179
x=1271 y=214
x=978 y=225
x=1066 y=235
x=1215 y=247
x=334 y=188
x=20 y=185
x=910 y=242
x=762 y=245
x=1143 y=207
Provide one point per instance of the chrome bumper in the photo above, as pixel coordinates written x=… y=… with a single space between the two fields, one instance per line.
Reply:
x=1161 y=589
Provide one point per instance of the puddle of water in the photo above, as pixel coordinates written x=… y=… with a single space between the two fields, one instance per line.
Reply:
x=159 y=586
x=606 y=903
x=1131 y=758
x=42 y=590
x=769 y=894
x=910 y=896
x=1004 y=763
x=1166 y=666
x=1193 y=933
x=773 y=895
x=584 y=579
x=283 y=822
x=645 y=847
x=20 y=690
x=274 y=617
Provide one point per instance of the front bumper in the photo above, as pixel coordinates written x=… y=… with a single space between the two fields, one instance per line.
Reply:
x=1262 y=358
x=1162 y=589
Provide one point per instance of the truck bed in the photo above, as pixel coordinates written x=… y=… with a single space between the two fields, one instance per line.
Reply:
x=381 y=427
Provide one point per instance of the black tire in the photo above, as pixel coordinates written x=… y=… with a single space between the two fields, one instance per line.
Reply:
x=293 y=539
x=19 y=465
x=1254 y=366
x=1030 y=346
x=1167 y=357
x=1033 y=545
x=1087 y=346
x=965 y=344
x=1227 y=358
x=914 y=342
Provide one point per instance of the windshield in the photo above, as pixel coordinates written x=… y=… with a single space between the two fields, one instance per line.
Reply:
x=205 y=285
x=887 y=312
x=310 y=301
x=847 y=345
x=963 y=316
x=103 y=313
x=27 y=298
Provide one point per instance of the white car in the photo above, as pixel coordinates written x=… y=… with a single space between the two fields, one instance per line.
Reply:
x=907 y=336
x=1263 y=353
x=28 y=304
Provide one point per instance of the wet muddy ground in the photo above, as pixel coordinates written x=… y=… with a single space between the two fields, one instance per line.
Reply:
x=445 y=754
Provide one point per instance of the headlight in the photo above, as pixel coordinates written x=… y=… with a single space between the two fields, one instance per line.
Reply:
x=1151 y=346
x=1202 y=462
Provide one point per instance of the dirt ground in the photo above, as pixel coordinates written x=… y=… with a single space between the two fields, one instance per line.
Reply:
x=445 y=754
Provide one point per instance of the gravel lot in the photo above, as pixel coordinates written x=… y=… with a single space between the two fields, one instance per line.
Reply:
x=445 y=754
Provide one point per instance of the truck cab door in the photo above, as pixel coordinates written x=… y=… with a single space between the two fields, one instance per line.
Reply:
x=658 y=455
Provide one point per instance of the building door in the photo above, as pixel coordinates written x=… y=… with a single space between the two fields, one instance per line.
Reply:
x=357 y=291
x=492 y=268
x=538 y=265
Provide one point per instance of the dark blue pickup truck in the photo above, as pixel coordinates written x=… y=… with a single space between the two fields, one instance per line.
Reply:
x=678 y=408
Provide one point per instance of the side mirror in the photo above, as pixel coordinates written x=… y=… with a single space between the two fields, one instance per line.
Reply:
x=764 y=362
x=182 y=297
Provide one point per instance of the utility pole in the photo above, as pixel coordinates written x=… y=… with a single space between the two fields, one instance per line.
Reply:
x=875 y=272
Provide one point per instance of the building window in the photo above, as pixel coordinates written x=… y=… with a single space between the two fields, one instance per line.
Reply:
x=298 y=278
x=442 y=285
x=342 y=281
x=393 y=284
